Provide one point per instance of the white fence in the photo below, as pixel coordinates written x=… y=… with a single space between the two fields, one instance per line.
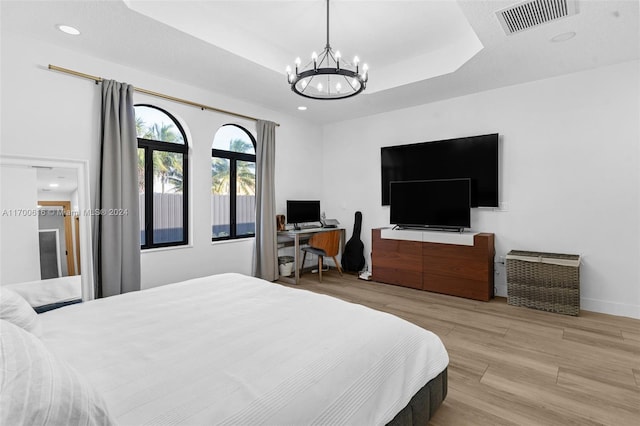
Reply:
x=167 y=212
x=245 y=209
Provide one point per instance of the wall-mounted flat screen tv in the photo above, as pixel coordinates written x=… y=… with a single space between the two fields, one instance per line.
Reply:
x=303 y=211
x=473 y=157
x=442 y=203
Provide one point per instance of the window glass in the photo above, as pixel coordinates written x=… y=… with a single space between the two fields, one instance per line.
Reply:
x=141 y=187
x=233 y=183
x=162 y=178
x=167 y=197
x=154 y=124
x=220 y=201
x=246 y=198
x=233 y=138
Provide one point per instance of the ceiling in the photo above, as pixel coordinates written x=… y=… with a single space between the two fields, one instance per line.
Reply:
x=417 y=51
x=56 y=179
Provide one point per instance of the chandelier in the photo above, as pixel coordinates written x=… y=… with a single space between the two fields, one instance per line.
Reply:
x=328 y=76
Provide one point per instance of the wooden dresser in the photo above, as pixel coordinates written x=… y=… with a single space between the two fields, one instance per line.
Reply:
x=436 y=262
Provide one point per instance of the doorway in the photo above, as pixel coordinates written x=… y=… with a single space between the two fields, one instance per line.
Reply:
x=56 y=210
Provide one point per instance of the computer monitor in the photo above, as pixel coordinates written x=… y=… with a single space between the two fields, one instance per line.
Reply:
x=303 y=211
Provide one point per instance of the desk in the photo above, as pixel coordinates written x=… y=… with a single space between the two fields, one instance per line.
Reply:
x=302 y=235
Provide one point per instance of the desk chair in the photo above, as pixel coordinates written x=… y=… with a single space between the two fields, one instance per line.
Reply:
x=323 y=244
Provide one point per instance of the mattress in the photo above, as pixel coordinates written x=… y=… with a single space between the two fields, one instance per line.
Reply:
x=231 y=349
x=52 y=291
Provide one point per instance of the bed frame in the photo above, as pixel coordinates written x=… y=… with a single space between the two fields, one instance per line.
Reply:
x=424 y=403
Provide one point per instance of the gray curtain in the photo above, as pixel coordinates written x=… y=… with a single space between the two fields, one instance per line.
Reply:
x=265 y=256
x=117 y=226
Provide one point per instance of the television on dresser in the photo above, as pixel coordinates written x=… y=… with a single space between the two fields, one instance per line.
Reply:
x=474 y=157
x=441 y=204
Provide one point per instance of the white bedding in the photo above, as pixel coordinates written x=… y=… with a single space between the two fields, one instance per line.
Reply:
x=235 y=350
x=45 y=292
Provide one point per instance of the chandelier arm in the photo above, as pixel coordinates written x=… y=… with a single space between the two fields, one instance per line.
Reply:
x=349 y=82
x=308 y=84
x=323 y=57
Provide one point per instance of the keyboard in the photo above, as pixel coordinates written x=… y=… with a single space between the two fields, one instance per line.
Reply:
x=305 y=226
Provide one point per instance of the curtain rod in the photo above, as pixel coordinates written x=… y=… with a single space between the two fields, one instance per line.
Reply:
x=156 y=94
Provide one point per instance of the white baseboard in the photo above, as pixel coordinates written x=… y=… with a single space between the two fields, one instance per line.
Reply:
x=592 y=305
x=611 y=308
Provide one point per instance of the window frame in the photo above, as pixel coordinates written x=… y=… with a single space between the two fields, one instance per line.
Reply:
x=150 y=146
x=233 y=158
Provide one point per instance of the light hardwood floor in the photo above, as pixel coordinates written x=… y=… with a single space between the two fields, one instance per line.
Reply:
x=512 y=365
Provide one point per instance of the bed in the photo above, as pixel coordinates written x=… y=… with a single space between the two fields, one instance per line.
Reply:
x=53 y=293
x=235 y=350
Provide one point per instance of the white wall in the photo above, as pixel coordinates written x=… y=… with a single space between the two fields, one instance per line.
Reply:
x=569 y=160
x=19 y=246
x=569 y=172
x=67 y=109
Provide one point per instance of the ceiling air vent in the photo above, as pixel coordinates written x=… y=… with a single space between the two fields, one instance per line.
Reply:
x=532 y=13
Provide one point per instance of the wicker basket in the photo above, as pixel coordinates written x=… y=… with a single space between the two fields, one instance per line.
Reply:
x=546 y=281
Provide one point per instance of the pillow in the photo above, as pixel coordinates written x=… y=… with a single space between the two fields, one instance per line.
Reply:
x=36 y=388
x=15 y=309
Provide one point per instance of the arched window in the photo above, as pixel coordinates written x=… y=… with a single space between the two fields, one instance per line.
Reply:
x=233 y=183
x=162 y=178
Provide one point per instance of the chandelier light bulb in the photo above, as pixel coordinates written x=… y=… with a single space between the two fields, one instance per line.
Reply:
x=319 y=87
x=297 y=62
x=365 y=69
x=288 y=70
x=356 y=60
x=304 y=83
x=338 y=87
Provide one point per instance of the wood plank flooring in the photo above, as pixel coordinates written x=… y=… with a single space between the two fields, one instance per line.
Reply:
x=512 y=365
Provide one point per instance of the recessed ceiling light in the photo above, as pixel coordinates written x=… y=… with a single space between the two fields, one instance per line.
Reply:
x=563 y=37
x=68 y=29
x=302 y=108
x=54 y=185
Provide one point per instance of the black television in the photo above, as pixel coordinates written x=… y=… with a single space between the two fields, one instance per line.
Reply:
x=473 y=157
x=303 y=211
x=442 y=204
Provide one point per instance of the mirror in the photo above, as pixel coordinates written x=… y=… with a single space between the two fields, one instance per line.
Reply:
x=45 y=237
x=58 y=222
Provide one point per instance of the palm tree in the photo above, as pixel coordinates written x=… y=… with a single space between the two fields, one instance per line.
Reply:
x=175 y=175
x=220 y=176
x=163 y=132
x=246 y=178
x=167 y=166
x=141 y=127
x=245 y=171
x=141 y=170
x=239 y=145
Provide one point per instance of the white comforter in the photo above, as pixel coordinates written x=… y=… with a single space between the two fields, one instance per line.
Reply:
x=235 y=350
